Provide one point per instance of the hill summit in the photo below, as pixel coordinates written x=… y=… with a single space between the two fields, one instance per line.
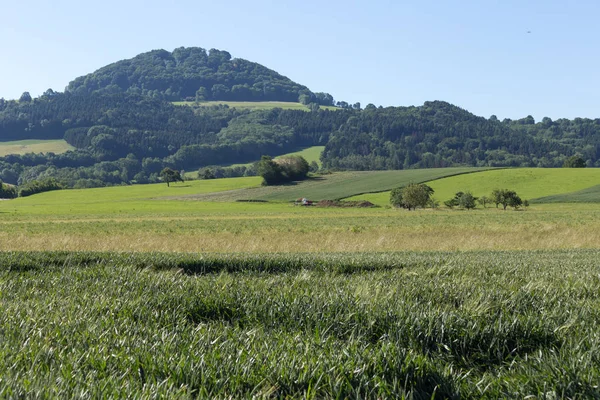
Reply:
x=193 y=73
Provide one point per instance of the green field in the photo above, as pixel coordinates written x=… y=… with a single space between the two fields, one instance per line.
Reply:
x=402 y=325
x=588 y=195
x=333 y=186
x=34 y=146
x=529 y=183
x=253 y=105
x=151 y=218
x=310 y=154
x=154 y=291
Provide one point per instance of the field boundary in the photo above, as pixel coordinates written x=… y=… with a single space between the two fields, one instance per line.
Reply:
x=431 y=180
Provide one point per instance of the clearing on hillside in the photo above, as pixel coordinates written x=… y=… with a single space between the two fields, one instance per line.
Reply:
x=310 y=154
x=34 y=146
x=253 y=105
x=529 y=183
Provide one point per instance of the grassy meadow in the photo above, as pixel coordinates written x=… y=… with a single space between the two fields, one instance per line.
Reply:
x=253 y=105
x=34 y=146
x=310 y=154
x=183 y=292
x=529 y=183
x=334 y=186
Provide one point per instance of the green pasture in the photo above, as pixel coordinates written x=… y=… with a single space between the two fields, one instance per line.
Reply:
x=431 y=325
x=34 y=146
x=588 y=195
x=119 y=199
x=252 y=105
x=334 y=186
x=310 y=154
x=208 y=216
x=529 y=183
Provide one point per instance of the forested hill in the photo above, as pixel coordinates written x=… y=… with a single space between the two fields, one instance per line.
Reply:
x=124 y=138
x=439 y=134
x=195 y=74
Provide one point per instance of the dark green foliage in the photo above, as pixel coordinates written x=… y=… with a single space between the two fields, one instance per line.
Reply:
x=195 y=74
x=439 y=134
x=575 y=161
x=7 y=191
x=464 y=200
x=451 y=203
x=25 y=98
x=282 y=170
x=455 y=201
x=206 y=173
x=411 y=196
x=168 y=175
x=40 y=186
x=506 y=198
x=270 y=171
x=514 y=201
x=294 y=167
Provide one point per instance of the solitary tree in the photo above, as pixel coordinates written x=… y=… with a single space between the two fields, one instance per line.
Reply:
x=575 y=161
x=168 y=175
x=411 y=196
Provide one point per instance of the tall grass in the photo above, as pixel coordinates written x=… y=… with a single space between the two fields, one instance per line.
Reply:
x=414 y=325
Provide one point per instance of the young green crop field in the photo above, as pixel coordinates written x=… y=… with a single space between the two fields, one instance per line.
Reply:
x=529 y=183
x=588 y=195
x=334 y=186
x=182 y=292
x=34 y=146
x=253 y=105
x=400 y=325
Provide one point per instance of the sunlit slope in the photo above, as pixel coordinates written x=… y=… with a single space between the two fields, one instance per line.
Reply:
x=588 y=195
x=339 y=185
x=134 y=198
x=253 y=105
x=34 y=146
x=529 y=183
x=310 y=154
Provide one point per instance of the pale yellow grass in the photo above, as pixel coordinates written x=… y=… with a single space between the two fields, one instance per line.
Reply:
x=495 y=237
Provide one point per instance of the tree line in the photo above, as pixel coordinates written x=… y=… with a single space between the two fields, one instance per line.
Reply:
x=125 y=138
x=420 y=195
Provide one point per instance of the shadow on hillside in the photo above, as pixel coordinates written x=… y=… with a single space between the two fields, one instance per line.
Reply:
x=308 y=179
x=182 y=186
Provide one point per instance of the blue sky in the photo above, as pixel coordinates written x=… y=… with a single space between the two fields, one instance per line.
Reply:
x=475 y=54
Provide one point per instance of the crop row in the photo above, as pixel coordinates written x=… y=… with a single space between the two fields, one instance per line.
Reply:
x=370 y=325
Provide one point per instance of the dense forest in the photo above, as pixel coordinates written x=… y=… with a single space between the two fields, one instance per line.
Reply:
x=439 y=134
x=130 y=134
x=195 y=74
